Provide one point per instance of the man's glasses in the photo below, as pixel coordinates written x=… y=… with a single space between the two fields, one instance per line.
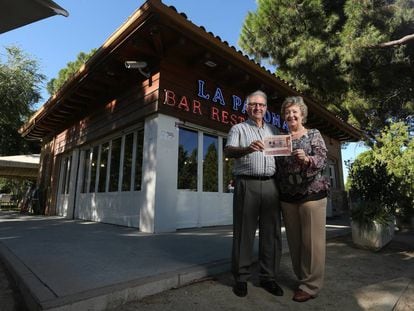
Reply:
x=260 y=105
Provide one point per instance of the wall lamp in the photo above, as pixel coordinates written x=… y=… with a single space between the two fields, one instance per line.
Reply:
x=210 y=63
x=133 y=64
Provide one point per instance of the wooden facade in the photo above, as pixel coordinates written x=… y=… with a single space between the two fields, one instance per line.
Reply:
x=193 y=80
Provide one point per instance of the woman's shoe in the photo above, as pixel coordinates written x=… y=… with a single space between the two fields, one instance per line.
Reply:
x=302 y=296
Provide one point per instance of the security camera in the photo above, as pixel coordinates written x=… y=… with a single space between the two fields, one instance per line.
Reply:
x=133 y=64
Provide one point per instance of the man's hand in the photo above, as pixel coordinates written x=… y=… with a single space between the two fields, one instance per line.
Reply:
x=256 y=145
x=238 y=152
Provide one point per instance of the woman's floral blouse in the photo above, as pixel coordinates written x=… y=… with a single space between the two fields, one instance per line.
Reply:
x=300 y=182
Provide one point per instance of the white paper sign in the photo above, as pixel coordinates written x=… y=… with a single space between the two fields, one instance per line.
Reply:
x=277 y=145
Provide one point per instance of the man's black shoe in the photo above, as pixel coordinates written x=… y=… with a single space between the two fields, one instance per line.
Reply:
x=240 y=289
x=272 y=287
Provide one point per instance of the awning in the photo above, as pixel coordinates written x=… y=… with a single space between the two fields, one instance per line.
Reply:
x=17 y=13
x=20 y=166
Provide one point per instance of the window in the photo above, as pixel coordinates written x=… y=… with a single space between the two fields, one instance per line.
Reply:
x=187 y=159
x=127 y=168
x=228 y=180
x=86 y=170
x=116 y=163
x=103 y=166
x=208 y=171
x=66 y=166
x=94 y=165
x=138 y=159
x=332 y=176
x=210 y=163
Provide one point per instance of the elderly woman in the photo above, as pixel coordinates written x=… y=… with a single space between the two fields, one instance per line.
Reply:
x=303 y=199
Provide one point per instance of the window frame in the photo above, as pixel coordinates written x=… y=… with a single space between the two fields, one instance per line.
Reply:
x=220 y=149
x=89 y=149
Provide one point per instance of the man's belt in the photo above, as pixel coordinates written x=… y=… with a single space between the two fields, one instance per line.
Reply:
x=255 y=177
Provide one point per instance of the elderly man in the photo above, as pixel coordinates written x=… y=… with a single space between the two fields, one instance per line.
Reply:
x=256 y=199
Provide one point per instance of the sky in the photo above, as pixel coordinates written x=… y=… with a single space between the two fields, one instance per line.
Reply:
x=57 y=40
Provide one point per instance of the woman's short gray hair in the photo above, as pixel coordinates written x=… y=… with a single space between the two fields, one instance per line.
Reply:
x=298 y=101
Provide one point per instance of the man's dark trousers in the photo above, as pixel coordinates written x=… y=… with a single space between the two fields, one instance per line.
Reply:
x=256 y=202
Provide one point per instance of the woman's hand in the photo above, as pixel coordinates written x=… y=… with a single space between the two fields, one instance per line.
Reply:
x=301 y=156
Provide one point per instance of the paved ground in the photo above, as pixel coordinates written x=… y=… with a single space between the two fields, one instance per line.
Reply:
x=10 y=297
x=356 y=279
x=70 y=258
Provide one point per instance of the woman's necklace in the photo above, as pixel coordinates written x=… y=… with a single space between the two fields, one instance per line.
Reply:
x=299 y=133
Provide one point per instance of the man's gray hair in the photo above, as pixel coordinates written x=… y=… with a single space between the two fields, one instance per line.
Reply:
x=257 y=93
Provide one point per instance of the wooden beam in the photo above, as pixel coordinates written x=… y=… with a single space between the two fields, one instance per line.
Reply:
x=157 y=41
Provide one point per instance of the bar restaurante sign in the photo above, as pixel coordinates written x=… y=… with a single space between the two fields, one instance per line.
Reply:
x=231 y=112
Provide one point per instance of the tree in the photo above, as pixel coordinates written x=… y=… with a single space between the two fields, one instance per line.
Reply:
x=64 y=74
x=20 y=83
x=187 y=169
x=384 y=175
x=395 y=149
x=356 y=57
x=210 y=169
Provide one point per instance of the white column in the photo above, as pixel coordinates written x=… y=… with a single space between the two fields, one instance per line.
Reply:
x=158 y=211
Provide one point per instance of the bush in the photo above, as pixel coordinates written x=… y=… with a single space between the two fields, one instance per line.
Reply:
x=381 y=180
x=366 y=213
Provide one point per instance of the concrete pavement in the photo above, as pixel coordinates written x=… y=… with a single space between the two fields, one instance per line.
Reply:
x=63 y=264
x=355 y=280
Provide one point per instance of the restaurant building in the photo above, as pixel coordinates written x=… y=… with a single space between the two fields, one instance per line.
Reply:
x=136 y=136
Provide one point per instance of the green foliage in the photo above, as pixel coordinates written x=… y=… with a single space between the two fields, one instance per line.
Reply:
x=372 y=190
x=66 y=73
x=187 y=169
x=17 y=187
x=210 y=169
x=20 y=83
x=228 y=177
x=381 y=180
x=395 y=148
x=331 y=50
x=366 y=213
